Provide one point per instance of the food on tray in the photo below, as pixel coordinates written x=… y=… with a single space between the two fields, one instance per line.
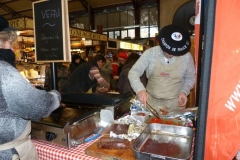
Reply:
x=134 y=128
x=163 y=112
x=113 y=143
x=118 y=128
x=170 y=149
x=166 y=121
x=140 y=114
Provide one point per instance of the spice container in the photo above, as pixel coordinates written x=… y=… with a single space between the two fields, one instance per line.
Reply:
x=141 y=116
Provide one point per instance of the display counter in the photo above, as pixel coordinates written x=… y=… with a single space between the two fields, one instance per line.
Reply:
x=49 y=151
x=63 y=134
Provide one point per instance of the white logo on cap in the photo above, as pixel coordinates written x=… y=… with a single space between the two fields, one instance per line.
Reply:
x=177 y=36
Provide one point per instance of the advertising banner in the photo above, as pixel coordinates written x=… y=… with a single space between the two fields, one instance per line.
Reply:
x=223 y=118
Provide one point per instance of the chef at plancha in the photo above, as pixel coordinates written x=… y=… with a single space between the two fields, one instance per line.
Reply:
x=20 y=102
x=170 y=71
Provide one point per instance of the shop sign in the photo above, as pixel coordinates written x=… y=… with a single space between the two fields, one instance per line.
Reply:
x=125 y=45
x=88 y=42
x=87 y=34
x=21 y=23
x=131 y=46
x=137 y=47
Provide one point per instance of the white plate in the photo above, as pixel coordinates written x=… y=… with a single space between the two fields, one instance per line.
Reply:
x=113 y=92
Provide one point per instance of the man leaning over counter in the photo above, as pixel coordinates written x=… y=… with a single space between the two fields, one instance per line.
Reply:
x=170 y=71
x=87 y=76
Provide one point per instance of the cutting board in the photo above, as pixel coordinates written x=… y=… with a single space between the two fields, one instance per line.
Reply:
x=107 y=154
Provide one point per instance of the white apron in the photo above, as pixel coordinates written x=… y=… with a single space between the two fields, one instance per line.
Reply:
x=23 y=145
x=164 y=85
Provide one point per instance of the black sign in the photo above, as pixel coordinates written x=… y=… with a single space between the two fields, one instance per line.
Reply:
x=49 y=43
x=112 y=44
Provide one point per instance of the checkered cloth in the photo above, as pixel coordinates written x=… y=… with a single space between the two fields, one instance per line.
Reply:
x=49 y=151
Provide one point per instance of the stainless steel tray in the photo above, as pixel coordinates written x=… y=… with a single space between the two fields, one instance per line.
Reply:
x=66 y=126
x=160 y=141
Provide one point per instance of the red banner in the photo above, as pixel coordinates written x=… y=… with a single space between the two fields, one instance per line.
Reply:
x=197 y=36
x=223 y=119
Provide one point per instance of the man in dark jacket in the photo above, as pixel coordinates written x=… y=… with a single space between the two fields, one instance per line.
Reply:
x=123 y=83
x=86 y=76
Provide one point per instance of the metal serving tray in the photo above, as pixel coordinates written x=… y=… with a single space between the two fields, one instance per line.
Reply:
x=164 y=142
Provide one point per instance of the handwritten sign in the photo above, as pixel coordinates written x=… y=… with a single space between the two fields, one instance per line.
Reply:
x=51 y=27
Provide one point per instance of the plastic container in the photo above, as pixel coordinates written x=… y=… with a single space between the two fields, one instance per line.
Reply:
x=133 y=109
x=141 y=116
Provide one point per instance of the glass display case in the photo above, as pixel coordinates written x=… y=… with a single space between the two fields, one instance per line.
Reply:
x=33 y=72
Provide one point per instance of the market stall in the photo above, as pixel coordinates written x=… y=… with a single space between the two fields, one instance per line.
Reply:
x=61 y=136
x=77 y=127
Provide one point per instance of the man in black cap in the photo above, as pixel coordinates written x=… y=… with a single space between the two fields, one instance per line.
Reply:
x=170 y=71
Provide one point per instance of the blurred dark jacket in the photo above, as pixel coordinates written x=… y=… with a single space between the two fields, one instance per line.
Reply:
x=73 y=65
x=123 y=83
x=106 y=71
x=63 y=74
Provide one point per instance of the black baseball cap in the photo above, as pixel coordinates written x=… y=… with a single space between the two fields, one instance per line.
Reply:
x=174 y=40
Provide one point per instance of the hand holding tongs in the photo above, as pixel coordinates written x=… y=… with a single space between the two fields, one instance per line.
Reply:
x=152 y=110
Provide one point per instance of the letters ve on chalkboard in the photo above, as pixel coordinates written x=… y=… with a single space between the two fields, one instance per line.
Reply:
x=51 y=33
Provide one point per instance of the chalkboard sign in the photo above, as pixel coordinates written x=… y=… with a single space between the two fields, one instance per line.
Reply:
x=51 y=27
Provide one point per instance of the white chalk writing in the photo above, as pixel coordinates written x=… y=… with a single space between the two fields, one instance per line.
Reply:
x=235 y=96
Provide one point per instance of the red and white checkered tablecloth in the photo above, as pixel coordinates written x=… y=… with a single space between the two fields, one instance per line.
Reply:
x=49 y=151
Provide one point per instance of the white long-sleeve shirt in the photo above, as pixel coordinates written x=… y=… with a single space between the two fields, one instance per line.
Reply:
x=147 y=62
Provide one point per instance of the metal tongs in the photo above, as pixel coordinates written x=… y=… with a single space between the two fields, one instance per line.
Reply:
x=188 y=112
x=139 y=104
x=152 y=110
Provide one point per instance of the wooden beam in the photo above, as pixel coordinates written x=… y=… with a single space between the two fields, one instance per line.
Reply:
x=136 y=17
x=90 y=11
x=9 y=10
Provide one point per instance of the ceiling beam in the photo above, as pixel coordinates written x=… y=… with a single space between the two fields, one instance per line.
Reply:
x=9 y=10
x=86 y=5
x=136 y=17
x=90 y=11
x=158 y=9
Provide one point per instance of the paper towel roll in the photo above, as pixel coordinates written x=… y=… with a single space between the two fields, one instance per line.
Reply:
x=106 y=117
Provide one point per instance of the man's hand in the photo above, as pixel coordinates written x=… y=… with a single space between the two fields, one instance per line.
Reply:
x=102 y=89
x=62 y=104
x=142 y=96
x=182 y=99
x=115 y=77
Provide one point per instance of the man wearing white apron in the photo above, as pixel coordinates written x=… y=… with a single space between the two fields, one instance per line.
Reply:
x=170 y=71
